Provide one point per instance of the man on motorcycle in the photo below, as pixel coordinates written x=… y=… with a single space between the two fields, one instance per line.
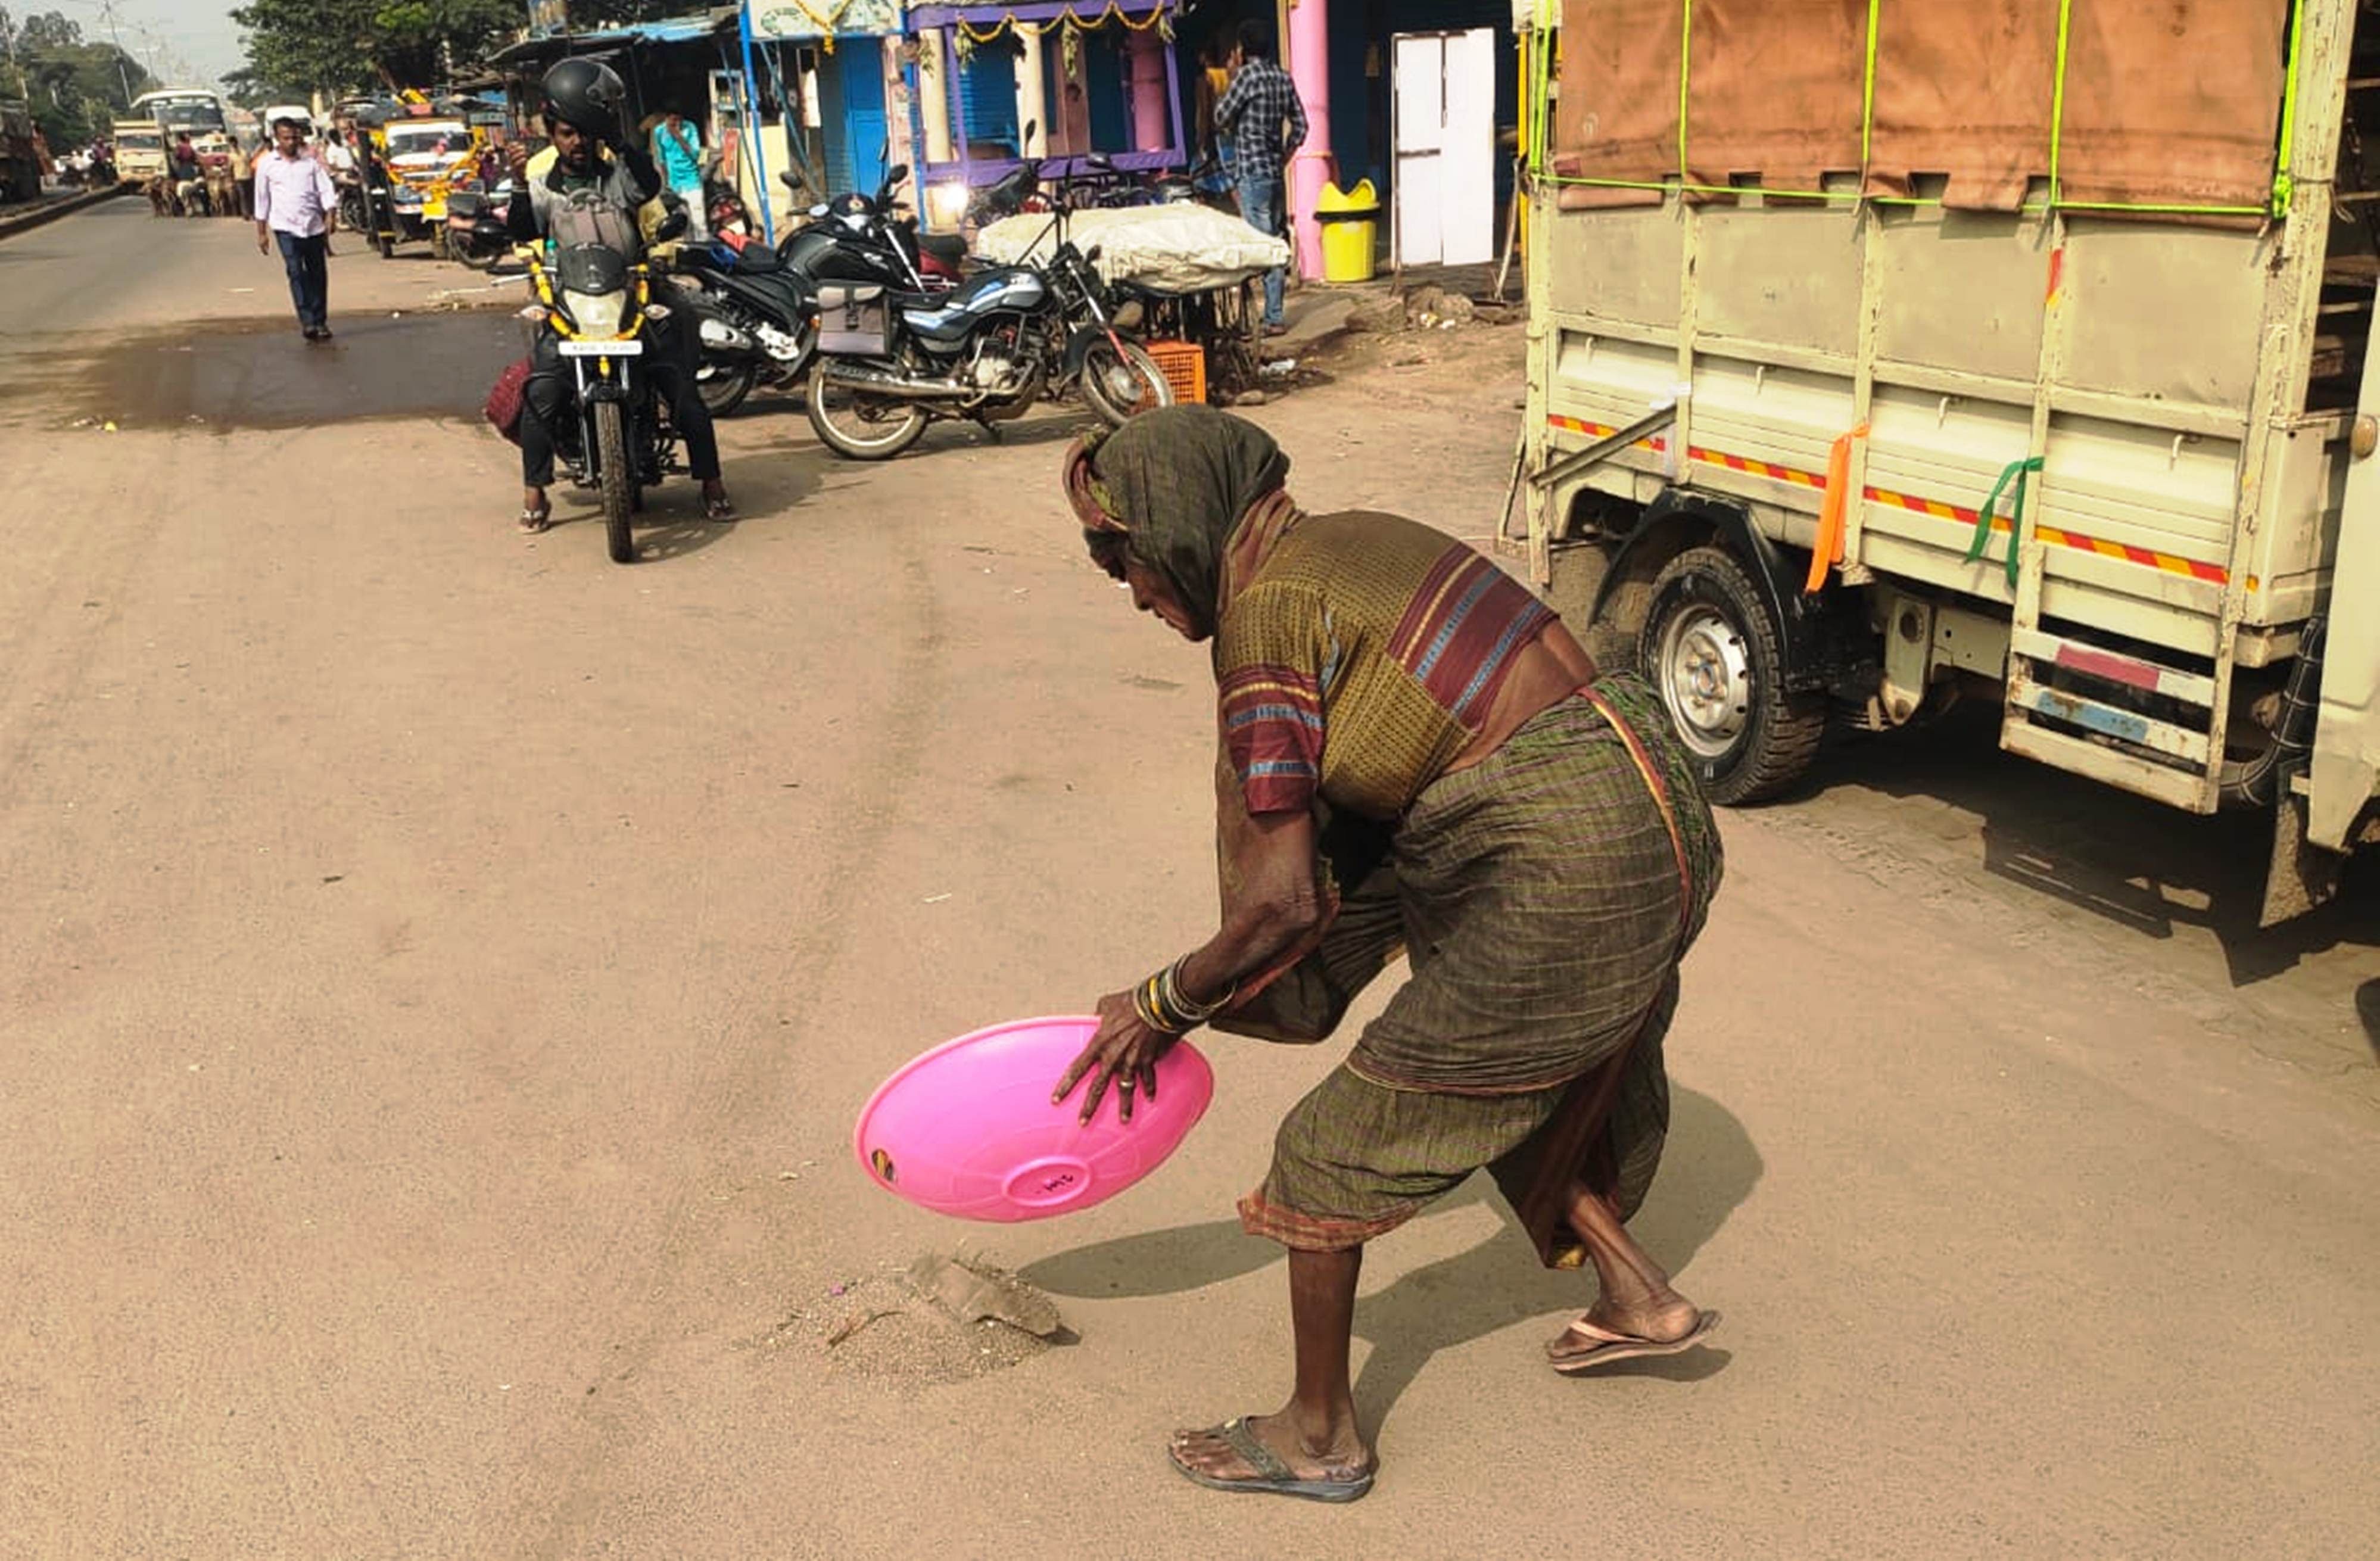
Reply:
x=582 y=114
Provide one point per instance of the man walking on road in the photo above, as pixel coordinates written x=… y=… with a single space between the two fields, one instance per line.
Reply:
x=295 y=205
x=1265 y=123
x=677 y=150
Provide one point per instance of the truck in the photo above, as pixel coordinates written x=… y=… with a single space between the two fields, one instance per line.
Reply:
x=1880 y=355
x=20 y=152
x=141 y=149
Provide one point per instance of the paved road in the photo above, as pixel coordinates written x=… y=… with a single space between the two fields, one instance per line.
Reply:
x=441 y=969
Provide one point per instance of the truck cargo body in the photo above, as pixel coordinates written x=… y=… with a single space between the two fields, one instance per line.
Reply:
x=2107 y=459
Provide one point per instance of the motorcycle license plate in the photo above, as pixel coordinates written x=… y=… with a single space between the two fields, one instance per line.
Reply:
x=630 y=348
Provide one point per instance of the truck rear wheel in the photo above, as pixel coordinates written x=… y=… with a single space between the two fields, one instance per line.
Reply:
x=1714 y=651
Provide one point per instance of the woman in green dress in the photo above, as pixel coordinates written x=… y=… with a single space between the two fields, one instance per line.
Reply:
x=1416 y=756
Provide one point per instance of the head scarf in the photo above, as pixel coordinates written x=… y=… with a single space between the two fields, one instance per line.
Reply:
x=1177 y=482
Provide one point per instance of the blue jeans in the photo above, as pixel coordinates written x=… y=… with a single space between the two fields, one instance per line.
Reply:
x=1260 y=206
x=307 y=262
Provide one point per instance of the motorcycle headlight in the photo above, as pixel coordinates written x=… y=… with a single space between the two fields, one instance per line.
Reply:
x=597 y=315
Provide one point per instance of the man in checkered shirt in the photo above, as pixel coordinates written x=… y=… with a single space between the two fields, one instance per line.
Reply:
x=1260 y=111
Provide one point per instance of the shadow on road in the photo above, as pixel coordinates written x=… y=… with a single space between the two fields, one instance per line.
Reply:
x=2144 y=866
x=1710 y=1169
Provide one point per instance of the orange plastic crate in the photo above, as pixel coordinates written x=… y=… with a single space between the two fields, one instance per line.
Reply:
x=1184 y=363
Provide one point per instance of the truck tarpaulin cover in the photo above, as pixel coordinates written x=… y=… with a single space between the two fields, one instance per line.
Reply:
x=2167 y=103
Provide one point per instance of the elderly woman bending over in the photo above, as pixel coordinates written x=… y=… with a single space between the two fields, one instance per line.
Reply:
x=1416 y=756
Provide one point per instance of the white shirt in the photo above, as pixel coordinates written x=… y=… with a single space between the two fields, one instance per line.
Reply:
x=295 y=195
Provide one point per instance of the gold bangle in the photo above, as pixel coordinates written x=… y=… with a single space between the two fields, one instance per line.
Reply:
x=1189 y=1008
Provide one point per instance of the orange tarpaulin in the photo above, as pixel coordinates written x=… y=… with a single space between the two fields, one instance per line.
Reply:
x=1773 y=90
x=2167 y=103
x=1964 y=90
x=1617 y=118
x=2173 y=101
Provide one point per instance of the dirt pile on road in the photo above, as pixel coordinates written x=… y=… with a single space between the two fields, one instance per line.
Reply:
x=933 y=1320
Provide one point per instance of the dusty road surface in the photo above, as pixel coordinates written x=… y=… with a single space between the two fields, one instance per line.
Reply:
x=441 y=970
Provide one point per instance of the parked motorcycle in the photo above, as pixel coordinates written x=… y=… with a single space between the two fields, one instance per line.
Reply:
x=891 y=363
x=756 y=320
x=597 y=305
x=858 y=240
x=477 y=231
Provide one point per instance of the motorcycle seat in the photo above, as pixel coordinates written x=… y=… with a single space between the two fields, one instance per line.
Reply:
x=951 y=316
x=948 y=247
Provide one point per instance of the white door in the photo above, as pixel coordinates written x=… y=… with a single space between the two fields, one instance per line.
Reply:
x=1443 y=86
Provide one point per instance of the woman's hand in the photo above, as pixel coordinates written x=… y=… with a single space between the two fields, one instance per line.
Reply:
x=1124 y=1050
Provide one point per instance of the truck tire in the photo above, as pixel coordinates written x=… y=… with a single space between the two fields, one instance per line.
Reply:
x=1711 y=648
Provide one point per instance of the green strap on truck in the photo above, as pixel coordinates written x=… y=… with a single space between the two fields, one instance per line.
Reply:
x=2021 y=471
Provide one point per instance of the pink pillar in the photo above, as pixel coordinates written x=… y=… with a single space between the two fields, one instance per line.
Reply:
x=1152 y=125
x=1309 y=68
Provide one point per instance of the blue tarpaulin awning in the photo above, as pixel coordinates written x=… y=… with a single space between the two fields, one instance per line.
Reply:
x=674 y=29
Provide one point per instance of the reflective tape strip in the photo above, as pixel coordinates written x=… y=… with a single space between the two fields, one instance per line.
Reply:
x=2211 y=573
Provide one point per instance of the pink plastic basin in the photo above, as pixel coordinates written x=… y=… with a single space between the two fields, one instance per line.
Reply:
x=969 y=1128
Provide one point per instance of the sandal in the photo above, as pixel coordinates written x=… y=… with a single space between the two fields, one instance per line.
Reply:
x=537 y=520
x=1272 y=1477
x=1610 y=1347
x=721 y=508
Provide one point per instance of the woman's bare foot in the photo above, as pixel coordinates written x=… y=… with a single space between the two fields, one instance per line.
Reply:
x=1331 y=1455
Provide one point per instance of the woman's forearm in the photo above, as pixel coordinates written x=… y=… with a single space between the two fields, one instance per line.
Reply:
x=1250 y=940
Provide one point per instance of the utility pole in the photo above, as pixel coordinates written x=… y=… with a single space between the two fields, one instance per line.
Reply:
x=107 y=12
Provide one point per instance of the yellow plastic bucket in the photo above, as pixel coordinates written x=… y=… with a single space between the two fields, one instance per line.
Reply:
x=1350 y=222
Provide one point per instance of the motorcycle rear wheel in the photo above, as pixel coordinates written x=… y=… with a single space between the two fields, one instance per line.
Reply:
x=473 y=256
x=617 y=477
x=838 y=418
x=1120 y=388
x=723 y=389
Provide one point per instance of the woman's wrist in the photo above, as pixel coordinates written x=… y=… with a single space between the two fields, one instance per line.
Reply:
x=1165 y=1005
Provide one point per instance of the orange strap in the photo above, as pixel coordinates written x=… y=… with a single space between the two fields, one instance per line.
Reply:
x=1830 y=549
x=1654 y=784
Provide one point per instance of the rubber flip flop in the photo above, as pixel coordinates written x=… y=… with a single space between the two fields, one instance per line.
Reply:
x=534 y=521
x=1627 y=1347
x=1273 y=1477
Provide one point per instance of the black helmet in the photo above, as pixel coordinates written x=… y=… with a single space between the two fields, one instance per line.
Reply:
x=586 y=95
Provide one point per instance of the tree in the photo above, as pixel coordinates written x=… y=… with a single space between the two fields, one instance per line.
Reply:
x=340 y=46
x=50 y=30
x=76 y=87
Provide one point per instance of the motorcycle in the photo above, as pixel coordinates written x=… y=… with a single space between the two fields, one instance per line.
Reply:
x=889 y=363
x=598 y=304
x=477 y=232
x=854 y=239
x=754 y=319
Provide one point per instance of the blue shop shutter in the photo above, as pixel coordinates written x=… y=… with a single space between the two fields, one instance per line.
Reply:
x=1109 y=86
x=835 y=131
x=987 y=96
x=863 y=111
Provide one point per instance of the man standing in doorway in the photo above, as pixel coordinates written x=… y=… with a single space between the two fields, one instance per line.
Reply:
x=295 y=205
x=1265 y=123
x=678 y=153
